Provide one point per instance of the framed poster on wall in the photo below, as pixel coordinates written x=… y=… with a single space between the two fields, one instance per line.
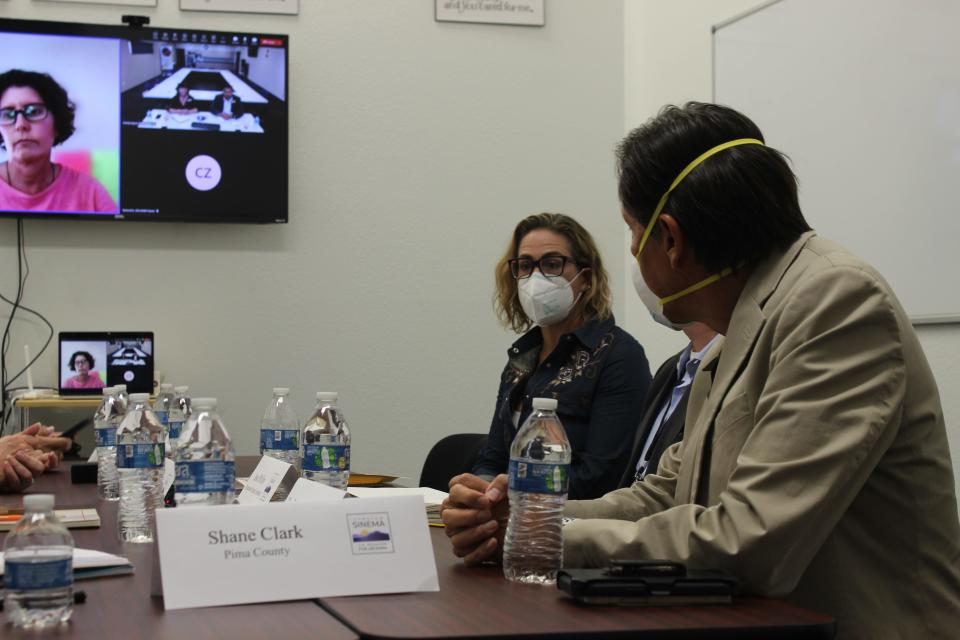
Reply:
x=290 y=7
x=134 y=3
x=516 y=12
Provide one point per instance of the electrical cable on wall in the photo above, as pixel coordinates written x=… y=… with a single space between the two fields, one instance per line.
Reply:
x=23 y=271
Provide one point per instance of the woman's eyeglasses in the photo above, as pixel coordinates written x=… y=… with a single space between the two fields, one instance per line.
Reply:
x=550 y=266
x=32 y=112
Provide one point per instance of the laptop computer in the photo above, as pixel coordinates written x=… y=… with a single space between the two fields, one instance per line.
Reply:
x=92 y=360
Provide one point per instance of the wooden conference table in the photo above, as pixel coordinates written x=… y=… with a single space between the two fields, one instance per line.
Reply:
x=121 y=607
x=471 y=603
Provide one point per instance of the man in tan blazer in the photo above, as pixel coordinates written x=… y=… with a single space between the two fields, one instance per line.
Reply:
x=814 y=464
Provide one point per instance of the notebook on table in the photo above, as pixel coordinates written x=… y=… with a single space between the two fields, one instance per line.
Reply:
x=70 y=518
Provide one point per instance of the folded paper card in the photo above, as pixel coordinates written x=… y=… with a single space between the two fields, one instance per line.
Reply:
x=234 y=554
x=309 y=491
x=266 y=478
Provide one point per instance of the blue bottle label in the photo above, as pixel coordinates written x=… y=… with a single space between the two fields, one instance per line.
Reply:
x=106 y=436
x=140 y=456
x=279 y=439
x=174 y=429
x=161 y=416
x=48 y=574
x=539 y=477
x=204 y=476
x=326 y=457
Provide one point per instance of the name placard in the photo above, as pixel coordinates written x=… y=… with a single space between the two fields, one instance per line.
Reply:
x=235 y=554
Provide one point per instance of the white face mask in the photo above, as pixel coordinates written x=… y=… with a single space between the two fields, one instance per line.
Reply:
x=546 y=301
x=651 y=300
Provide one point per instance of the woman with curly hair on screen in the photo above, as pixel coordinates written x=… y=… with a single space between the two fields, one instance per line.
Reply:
x=35 y=115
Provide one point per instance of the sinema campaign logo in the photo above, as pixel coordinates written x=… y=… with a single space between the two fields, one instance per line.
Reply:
x=370 y=532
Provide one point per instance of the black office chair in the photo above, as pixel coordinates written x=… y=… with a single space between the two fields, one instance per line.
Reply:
x=450 y=456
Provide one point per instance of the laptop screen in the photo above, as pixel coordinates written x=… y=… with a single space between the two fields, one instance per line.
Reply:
x=90 y=361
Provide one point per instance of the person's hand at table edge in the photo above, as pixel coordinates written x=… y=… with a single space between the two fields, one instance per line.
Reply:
x=18 y=469
x=475 y=515
x=44 y=438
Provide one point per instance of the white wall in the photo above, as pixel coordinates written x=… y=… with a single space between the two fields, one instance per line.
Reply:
x=138 y=68
x=415 y=148
x=267 y=70
x=669 y=60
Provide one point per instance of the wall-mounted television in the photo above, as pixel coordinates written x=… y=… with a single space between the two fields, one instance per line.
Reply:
x=149 y=123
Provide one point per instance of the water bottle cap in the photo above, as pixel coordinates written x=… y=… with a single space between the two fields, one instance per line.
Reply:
x=165 y=386
x=139 y=398
x=281 y=391
x=108 y=391
x=181 y=389
x=545 y=403
x=120 y=387
x=327 y=396
x=199 y=404
x=38 y=502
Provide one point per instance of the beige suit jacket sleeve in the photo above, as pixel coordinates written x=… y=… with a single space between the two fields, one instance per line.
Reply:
x=817 y=404
x=655 y=493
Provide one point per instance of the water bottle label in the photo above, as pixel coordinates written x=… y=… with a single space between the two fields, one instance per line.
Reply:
x=204 y=476
x=161 y=416
x=539 y=477
x=280 y=439
x=140 y=456
x=50 y=574
x=174 y=429
x=326 y=457
x=106 y=436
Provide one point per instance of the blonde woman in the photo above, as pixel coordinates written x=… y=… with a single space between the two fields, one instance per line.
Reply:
x=551 y=286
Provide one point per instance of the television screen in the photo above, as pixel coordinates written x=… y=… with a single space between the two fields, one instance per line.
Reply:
x=113 y=122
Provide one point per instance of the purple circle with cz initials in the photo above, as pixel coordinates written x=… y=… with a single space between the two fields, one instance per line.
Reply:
x=203 y=172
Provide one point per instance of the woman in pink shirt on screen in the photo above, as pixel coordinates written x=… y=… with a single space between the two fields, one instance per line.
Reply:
x=36 y=115
x=82 y=362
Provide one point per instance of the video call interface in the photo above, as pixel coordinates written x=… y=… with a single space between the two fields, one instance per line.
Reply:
x=88 y=365
x=201 y=123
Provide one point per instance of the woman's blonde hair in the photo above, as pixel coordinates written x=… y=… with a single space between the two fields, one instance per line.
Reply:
x=595 y=301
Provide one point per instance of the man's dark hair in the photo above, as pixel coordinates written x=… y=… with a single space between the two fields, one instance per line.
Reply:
x=85 y=354
x=53 y=95
x=735 y=207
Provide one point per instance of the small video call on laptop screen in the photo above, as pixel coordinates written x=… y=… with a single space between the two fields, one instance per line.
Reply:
x=90 y=361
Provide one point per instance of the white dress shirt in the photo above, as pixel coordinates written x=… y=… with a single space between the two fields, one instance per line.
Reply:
x=686 y=369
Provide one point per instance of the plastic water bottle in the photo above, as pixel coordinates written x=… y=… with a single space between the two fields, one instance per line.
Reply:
x=105 y=422
x=122 y=396
x=38 y=567
x=140 y=453
x=163 y=402
x=176 y=417
x=183 y=400
x=326 y=444
x=280 y=433
x=204 y=458
x=539 y=474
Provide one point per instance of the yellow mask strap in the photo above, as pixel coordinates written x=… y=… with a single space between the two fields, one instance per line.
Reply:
x=663 y=201
x=697 y=286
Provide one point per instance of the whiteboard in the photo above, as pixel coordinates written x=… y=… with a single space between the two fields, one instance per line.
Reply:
x=864 y=97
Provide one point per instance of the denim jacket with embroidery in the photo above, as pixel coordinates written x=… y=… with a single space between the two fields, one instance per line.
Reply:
x=599 y=376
